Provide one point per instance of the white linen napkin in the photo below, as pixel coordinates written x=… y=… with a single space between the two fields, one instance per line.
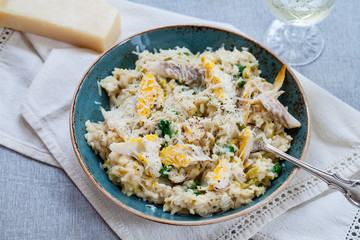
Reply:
x=19 y=64
x=334 y=145
x=328 y=217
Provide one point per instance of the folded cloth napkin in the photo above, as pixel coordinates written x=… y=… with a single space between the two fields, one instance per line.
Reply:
x=335 y=144
x=19 y=64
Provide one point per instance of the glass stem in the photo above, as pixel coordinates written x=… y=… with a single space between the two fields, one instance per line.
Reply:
x=295 y=34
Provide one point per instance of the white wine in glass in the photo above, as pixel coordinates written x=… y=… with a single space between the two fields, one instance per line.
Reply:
x=296 y=38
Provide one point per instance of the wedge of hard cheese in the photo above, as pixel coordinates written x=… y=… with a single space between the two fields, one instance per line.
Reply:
x=86 y=23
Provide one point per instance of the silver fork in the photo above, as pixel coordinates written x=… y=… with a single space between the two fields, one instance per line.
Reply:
x=348 y=187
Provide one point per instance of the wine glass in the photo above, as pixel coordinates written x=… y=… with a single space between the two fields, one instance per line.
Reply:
x=295 y=37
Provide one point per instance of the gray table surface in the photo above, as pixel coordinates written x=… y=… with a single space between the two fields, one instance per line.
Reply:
x=38 y=201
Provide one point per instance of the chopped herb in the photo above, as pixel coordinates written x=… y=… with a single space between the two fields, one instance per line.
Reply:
x=183 y=89
x=241 y=68
x=185 y=53
x=197 y=192
x=198 y=114
x=165 y=176
x=194 y=185
x=241 y=126
x=226 y=149
x=194 y=188
x=176 y=113
x=229 y=148
x=235 y=77
x=165 y=171
x=277 y=168
x=165 y=144
x=176 y=132
x=164 y=125
x=167 y=59
x=241 y=84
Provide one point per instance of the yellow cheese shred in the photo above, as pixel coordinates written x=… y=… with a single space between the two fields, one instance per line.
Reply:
x=211 y=77
x=245 y=137
x=279 y=79
x=147 y=95
x=173 y=155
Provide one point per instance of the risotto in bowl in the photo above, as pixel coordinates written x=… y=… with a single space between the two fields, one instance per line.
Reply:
x=163 y=123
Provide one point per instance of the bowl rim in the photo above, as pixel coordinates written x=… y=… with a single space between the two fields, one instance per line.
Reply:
x=179 y=222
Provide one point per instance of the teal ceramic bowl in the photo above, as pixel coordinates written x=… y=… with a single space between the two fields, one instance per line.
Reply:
x=195 y=38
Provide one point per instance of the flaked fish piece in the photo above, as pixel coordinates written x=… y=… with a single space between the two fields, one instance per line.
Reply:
x=145 y=150
x=185 y=73
x=270 y=101
x=278 y=82
x=278 y=111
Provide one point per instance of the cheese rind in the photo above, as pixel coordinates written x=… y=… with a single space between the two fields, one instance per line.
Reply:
x=86 y=23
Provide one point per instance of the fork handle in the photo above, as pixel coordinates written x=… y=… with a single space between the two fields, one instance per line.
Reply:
x=349 y=188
